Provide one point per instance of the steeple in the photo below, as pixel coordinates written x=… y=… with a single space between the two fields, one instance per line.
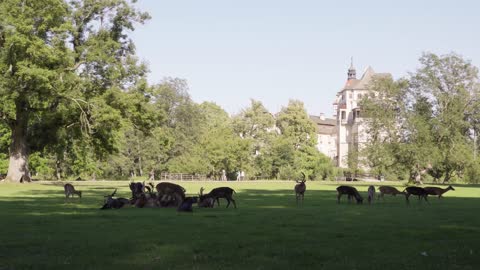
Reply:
x=352 y=73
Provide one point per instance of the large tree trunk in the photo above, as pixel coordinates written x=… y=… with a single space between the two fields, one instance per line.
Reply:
x=18 y=165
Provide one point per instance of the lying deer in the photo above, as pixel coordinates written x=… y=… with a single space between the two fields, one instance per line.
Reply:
x=137 y=188
x=351 y=192
x=300 y=188
x=436 y=191
x=70 y=191
x=110 y=202
x=205 y=201
x=389 y=190
x=221 y=192
x=186 y=205
x=417 y=191
x=371 y=194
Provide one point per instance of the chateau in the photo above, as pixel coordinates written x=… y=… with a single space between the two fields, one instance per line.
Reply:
x=344 y=133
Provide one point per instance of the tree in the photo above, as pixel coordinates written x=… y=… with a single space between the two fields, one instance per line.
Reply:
x=449 y=84
x=64 y=60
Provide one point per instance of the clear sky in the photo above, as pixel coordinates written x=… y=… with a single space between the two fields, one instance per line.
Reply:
x=230 y=51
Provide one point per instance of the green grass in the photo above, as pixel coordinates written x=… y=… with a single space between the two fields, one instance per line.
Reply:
x=39 y=230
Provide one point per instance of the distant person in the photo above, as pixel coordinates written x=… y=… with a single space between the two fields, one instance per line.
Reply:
x=242 y=175
x=224 y=176
x=151 y=175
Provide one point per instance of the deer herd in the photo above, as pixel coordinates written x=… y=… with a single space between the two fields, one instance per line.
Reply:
x=166 y=194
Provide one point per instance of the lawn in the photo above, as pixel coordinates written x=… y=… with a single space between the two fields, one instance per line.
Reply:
x=39 y=230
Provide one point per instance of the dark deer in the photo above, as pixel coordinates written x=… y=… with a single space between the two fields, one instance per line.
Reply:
x=70 y=190
x=389 y=190
x=205 y=201
x=221 y=192
x=137 y=189
x=350 y=192
x=371 y=194
x=417 y=191
x=170 y=194
x=300 y=188
x=436 y=191
x=186 y=205
x=110 y=202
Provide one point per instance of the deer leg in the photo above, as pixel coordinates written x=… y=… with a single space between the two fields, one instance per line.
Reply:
x=218 y=201
x=338 y=197
x=228 y=202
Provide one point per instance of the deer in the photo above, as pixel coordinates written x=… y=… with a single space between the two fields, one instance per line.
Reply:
x=205 y=201
x=351 y=192
x=371 y=194
x=137 y=188
x=170 y=194
x=300 y=188
x=186 y=205
x=110 y=202
x=436 y=191
x=70 y=190
x=220 y=192
x=418 y=191
x=389 y=190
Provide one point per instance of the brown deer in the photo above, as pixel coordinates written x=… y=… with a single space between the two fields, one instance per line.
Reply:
x=221 y=192
x=70 y=190
x=436 y=191
x=417 y=191
x=371 y=194
x=389 y=190
x=350 y=192
x=170 y=194
x=205 y=201
x=110 y=202
x=300 y=188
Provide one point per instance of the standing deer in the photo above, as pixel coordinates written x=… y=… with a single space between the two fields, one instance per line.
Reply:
x=371 y=194
x=300 y=188
x=436 y=191
x=170 y=194
x=70 y=190
x=389 y=190
x=221 y=192
x=418 y=191
x=351 y=192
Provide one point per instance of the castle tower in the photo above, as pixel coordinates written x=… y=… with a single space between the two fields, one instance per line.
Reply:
x=352 y=73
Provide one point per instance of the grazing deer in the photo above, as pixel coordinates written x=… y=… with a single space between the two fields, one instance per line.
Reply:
x=417 y=191
x=389 y=190
x=110 y=202
x=70 y=190
x=186 y=205
x=300 y=188
x=205 y=201
x=170 y=194
x=371 y=194
x=351 y=192
x=436 y=191
x=221 y=192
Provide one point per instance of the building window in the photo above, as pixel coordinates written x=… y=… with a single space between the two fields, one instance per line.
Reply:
x=343 y=115
x=350 y=96
x=359 y=96
x=358 y=114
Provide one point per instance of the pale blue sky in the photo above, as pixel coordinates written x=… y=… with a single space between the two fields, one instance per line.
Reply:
x=275 y=50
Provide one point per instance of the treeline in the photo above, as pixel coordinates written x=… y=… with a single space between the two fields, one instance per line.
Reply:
x=424 y=126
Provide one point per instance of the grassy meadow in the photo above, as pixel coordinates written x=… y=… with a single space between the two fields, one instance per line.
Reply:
x=40 y=230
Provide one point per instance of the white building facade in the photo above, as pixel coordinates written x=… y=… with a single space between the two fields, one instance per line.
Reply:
x=349 y=130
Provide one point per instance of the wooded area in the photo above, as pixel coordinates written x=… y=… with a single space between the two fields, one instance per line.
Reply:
x=75 y=102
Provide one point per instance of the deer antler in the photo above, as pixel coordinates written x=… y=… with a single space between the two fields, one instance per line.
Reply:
x=201 y=191
x=113 y=194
